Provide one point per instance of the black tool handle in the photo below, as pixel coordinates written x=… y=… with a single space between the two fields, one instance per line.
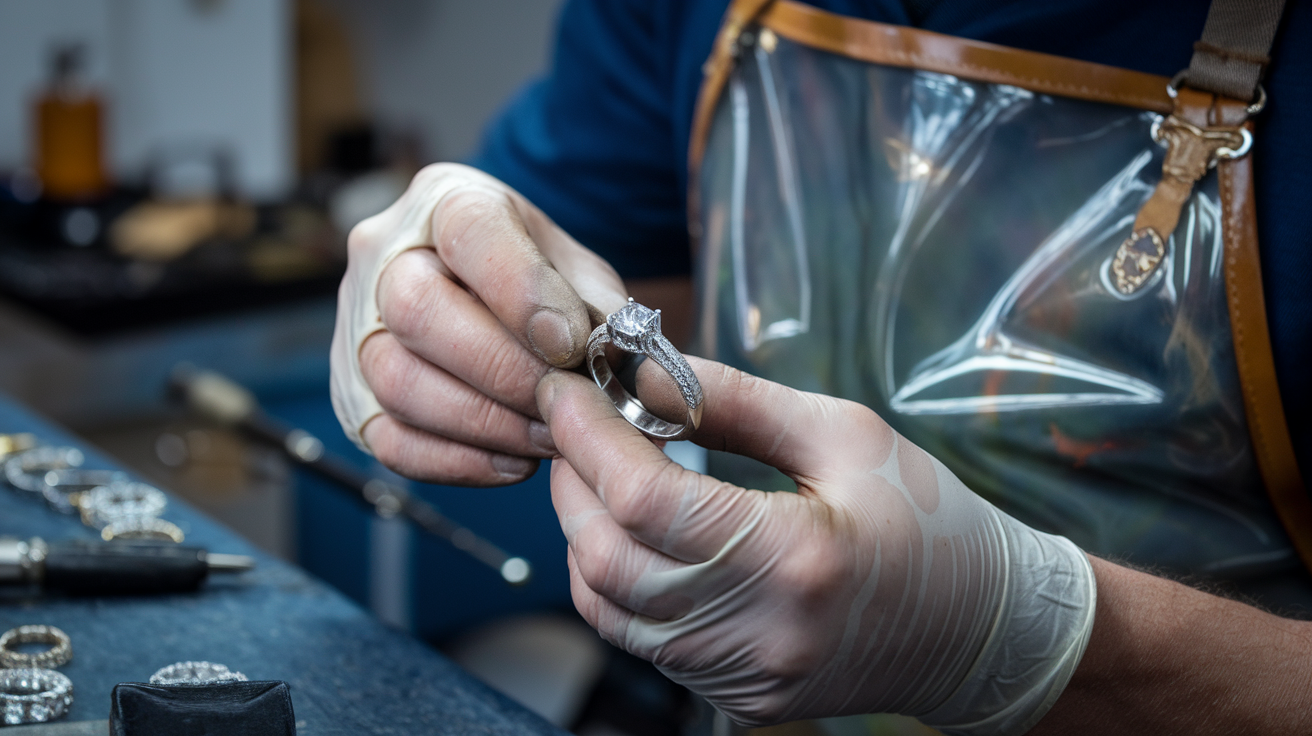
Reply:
x=123 y=568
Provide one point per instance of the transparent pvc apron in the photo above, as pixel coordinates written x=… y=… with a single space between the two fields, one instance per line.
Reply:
x=934 y=234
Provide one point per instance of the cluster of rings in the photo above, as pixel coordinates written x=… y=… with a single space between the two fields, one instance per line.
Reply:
x=31 y=691
x=105 y=499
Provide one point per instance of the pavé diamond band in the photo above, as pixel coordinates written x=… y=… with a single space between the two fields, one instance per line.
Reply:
x=195 y=673
x=29 y=695
x=636 y=329
x=59 y=653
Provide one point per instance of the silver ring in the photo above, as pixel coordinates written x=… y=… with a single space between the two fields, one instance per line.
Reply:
x=144 y=528
x=59 y=653
x=636 y=329
x=63 y=486
x=27 y=470
x=195 y=673
x=33 y=695
x=105 y=505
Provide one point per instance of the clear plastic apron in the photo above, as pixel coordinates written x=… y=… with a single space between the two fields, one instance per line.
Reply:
x=941 y=250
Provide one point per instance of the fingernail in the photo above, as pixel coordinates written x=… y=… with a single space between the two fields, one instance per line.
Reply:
x=546 y=395
x=511 y=466
x=540 y=435
x=549 y=335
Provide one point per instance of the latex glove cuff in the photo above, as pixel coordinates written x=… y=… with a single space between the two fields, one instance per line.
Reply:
x=1039 y=636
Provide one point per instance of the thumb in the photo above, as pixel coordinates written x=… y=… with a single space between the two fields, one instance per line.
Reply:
x=805 y=435
x=593 y=279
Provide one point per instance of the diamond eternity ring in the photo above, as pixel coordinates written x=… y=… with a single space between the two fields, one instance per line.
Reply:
x=59 y=653
x=30 y=695
x=195 y=673
x=636 y=329
x=115 y=502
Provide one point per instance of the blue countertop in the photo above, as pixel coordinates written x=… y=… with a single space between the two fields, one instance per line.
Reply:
x=349 y=674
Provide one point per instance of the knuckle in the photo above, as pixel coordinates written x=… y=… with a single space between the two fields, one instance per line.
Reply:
x=469 y=216
x=633 y=503
x=505 y=369
x=629 y=504
x=362 y=238
x=479 y=415
x=592 y=562
x=815 y=571
x=388 y=451
x=392 y=373
x=409 y=303
x=857 y=415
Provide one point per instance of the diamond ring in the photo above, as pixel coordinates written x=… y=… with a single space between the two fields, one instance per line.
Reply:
x=107 y=504
x=636 y=329
x=33 y=695
x=195 y=673
x=59 y=653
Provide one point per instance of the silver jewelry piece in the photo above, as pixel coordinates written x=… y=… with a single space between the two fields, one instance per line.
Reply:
x=636 y=329
x=195 y=673
x=30 y=695
x=143 y=527
x=59 y=653
x=63 y=487
x=105 y=505
x=27 y=470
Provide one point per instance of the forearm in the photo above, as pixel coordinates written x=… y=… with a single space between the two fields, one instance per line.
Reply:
x=1165 y=659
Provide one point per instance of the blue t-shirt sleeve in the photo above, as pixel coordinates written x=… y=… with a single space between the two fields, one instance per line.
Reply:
x=593 y=143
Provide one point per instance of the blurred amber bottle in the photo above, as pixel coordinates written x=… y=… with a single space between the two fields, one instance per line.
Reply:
x=69 y=156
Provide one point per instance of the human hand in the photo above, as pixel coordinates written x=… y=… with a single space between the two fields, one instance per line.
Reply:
x=457 y=299
x=882 y=585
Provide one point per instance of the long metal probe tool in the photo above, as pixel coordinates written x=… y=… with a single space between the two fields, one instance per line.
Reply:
x=217 y=397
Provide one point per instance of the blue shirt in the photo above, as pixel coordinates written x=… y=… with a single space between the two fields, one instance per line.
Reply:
x=601 y=143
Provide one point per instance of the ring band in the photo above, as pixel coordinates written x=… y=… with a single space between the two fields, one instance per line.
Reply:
x=104 y=505
x=195 y=673
x=29 y=695
x=636 y=329
x=27 y=470
x=63 y=486
x=59 y=653
x=143 y=528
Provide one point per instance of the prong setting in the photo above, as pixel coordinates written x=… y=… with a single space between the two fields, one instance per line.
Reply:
x=633 y=325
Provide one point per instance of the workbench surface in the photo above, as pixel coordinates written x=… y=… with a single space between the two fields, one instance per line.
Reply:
x=349 y=674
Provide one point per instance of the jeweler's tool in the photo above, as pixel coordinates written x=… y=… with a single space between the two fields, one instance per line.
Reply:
x=111 y=568
x=221 y=399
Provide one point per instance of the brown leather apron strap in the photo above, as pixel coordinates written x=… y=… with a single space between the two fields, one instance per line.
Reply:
x=715 y=73
x=1232 y=53
x=1257 y=371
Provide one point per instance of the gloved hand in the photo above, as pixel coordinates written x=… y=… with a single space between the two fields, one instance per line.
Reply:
x=457 y=299
x=883 y=585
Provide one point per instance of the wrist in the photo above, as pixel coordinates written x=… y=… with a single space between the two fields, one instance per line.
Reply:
x=1042 y=627
x=1166 y=658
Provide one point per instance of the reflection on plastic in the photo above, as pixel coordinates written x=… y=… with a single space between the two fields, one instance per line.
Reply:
x=768 y=308
x=940 y=250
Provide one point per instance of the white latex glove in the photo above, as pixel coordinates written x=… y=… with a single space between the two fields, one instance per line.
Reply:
x=457 y=299
x=883 y=585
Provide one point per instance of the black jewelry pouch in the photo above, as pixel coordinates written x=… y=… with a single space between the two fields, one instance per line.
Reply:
x=260 y=708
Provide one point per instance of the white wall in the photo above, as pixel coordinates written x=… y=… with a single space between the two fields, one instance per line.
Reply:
x=441 y=68
x=177 y=73
x=182 y=72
